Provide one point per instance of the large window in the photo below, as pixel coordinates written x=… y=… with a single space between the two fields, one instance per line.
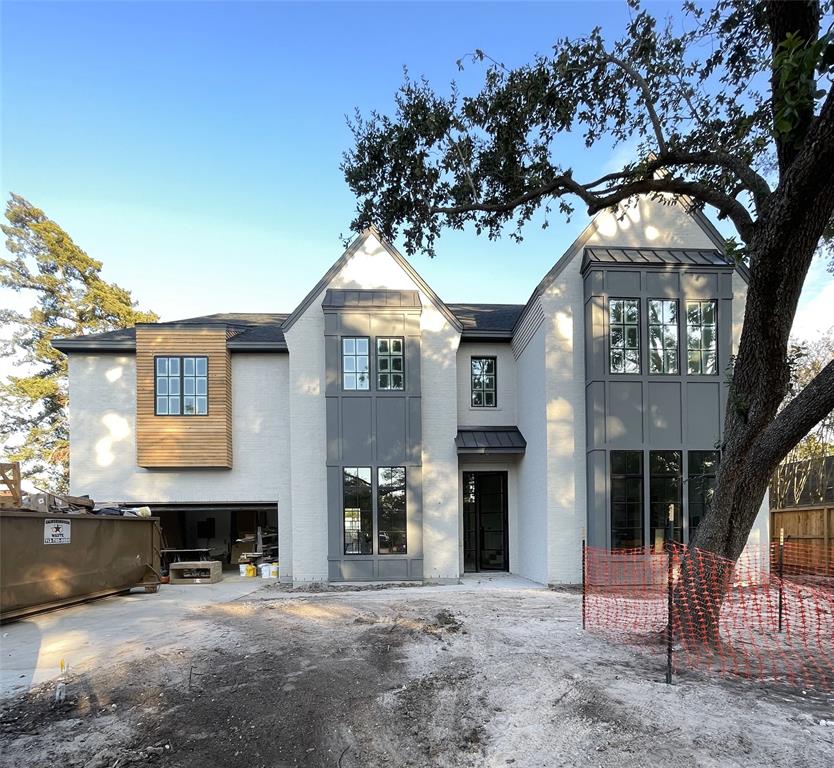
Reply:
x=358 y=516
x=665 y=472
x=391 y=515
x=663 y=336
x=624 y=335
x=181 y=387
x=701 y=337
x=355 y=363
x=484 y=373
x=703 y=468
x=626 y=499
x=390 y=368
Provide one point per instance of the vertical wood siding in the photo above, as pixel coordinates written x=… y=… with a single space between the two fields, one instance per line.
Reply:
x=184 y=441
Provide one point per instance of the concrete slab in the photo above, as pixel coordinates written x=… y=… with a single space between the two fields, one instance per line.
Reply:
x=31 y=650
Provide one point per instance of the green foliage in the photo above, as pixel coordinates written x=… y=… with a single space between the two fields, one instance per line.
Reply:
x=69 y=298
x=797 y=65
x=698 y=102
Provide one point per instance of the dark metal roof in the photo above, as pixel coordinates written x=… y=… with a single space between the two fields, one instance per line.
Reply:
x=256 y=331
x=487 y=320
x=679 y=257
x=490 y=440
x=336 y=298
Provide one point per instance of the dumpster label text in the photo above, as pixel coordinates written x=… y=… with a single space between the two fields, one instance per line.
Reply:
x=57 y=531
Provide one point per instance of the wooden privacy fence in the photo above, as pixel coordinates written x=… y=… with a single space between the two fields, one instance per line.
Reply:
x=811 y=527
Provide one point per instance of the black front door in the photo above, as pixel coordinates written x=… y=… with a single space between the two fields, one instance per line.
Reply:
x=485 y=521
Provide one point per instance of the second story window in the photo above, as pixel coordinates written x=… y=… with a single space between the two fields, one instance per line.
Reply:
x=181 y=386
x=390 y=363
x=663 y=336
x=624 y=335
x=484 y=377
x=701 y=337
x=355 y=367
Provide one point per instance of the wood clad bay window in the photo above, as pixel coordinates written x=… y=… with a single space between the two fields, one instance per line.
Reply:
x=626 y=499
x=666 y=472
x=358 y=511
x=358 y=514
x=703 y=469
x=702 y=337
x=663 y=336
x=355 y=363
x=484 y=377
x=390 y=368
x=181 y=386
x=391 y=512
x=624 y=335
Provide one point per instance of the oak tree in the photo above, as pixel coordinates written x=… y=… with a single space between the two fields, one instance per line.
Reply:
x=735 y=113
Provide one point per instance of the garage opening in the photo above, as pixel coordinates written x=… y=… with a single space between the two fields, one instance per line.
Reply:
x=224 y=532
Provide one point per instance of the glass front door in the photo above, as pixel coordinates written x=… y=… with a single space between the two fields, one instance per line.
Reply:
x=485 y=521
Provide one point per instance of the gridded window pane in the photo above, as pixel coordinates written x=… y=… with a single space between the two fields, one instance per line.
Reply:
x=624 y=335
x=357 y=511
x=389 y=359
x=391 y=511
x=355 y=371
x=626 y=499
x=666 y=473
x=484 y=377
x=701 y=337
x=663 y=336
x=703 y=468
x=178 y=379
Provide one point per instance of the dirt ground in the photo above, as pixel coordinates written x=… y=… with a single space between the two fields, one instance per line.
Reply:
x=426 y=676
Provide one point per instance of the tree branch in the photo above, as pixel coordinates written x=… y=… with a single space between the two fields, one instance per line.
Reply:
x=647 y=97
x=796 y=419
x=726 y=206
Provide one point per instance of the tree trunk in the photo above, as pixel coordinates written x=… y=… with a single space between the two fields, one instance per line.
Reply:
x=755 y=440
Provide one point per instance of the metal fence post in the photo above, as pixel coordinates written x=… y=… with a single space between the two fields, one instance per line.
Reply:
x=781 y=571
x=669 y=600
x=584 y=565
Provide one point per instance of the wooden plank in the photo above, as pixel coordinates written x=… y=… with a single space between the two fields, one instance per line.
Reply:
x=184 y=441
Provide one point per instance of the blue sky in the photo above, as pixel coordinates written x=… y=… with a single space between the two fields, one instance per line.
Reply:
x=194 y=147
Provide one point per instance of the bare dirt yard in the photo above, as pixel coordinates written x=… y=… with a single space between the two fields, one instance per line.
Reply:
x=472 y=675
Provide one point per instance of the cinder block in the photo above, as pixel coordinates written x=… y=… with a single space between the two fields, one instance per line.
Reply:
x=196 y=572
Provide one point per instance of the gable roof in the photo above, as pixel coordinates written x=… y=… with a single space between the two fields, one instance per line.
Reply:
x=257 y=331
x=698 y=216
x=487 y=321
x=334 y=270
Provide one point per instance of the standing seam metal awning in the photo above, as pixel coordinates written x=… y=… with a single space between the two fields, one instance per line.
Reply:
x=490 y=440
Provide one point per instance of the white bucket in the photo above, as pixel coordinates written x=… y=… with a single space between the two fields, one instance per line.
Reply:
x=266 y=571
x=243 y=569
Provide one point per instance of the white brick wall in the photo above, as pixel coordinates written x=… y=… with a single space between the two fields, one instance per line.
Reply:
x=533 y=524
x=102 y=396
x=565 y=396
x=505 y=412
x=441 y=528
x=308 y=472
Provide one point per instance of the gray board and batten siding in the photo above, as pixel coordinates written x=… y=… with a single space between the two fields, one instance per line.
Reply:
x=642 y=411
x=373 y=428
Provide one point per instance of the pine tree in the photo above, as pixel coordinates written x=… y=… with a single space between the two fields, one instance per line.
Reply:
x=70 y=298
